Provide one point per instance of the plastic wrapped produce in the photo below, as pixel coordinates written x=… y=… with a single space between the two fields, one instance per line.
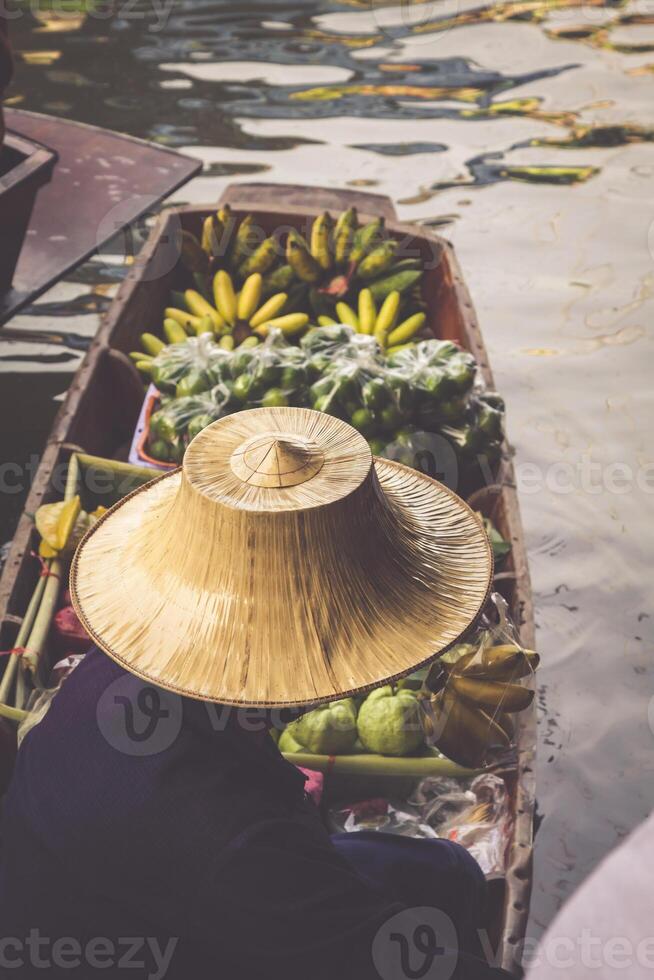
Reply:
x=476 y=688
x=354 y=383
x=179 y=420
x=270 y=374
x=188 y=368
x=441 y=377
x=441 y=800
x=423 y=406
x=379 y=814
x=484 y=829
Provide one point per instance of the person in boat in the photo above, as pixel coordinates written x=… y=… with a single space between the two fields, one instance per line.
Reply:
x=151 y=822
x=6 y=68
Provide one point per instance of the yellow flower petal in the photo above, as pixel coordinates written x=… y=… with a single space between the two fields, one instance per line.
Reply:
x=66 y=521
x=54 y=522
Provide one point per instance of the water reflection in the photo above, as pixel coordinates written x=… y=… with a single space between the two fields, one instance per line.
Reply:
x=189 y=77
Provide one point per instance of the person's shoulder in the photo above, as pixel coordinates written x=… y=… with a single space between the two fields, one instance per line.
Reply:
x=101 y=744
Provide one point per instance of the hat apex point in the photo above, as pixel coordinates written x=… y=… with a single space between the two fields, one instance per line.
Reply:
x=277 y=460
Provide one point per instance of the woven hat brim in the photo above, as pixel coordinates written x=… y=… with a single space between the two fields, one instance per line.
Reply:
x=372 y=618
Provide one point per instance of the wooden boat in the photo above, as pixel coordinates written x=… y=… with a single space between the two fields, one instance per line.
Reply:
x=103 y=404
x=113 y=179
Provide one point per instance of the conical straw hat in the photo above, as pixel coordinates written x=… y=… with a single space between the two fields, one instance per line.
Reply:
x=280 y=565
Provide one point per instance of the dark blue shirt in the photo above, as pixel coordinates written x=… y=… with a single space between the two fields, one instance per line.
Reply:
x=138 y=816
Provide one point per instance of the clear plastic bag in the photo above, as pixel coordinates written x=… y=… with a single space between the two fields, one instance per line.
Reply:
x=428 y=392
x=476 y=688
x=271 y=374
x=178 y=420
x=472 y=812
x=440 y=799
x=484 y=829
x=379 y=814
x=447 y=396
x=475 y=813
x=354 y=383
x=188 y=368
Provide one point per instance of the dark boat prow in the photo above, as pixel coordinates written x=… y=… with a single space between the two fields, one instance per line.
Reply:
x=113 y=179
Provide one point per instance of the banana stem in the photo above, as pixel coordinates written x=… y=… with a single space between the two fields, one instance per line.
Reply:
x=127 y=469
x=7 y=681
x=414 y=767
x=21 y=695
x=43 y=618
x=13 y=714
x=38 y=615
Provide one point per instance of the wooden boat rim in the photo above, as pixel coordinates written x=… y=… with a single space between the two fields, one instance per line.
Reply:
x=35 y=154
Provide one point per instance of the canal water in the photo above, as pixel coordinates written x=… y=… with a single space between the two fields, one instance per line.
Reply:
x=521 y=129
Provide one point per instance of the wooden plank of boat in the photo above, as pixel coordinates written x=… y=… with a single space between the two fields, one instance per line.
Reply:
x=102 y=405
x=112 y=179
x=25 y=166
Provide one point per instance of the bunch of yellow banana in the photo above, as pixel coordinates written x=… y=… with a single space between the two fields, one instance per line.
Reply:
x=335 y=254
x=235 y=317
x=380 y=323
x=473 y=698
x=199 y=317
x=244 y=314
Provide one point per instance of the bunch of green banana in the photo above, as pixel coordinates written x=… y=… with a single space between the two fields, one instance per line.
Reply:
x=340 y=251
x=473 y=698
x=345 y=230
x=226 y=243
x=217 y=233
x=304 y=264
x=250 y=254
x=328 y=252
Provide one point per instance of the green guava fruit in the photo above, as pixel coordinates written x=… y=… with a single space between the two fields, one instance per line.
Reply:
x=330 y=729
x=389 y=722
x=288 y=742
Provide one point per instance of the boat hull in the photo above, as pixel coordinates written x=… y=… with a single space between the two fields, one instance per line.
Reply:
x=103 y=403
